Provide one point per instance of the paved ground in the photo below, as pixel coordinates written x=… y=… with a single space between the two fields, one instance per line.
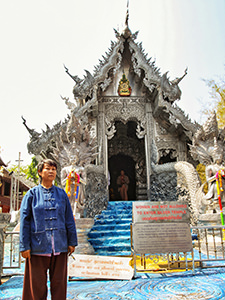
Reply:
x=204 y=284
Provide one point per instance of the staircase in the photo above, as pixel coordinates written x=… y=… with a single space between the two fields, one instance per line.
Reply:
x=110 y=234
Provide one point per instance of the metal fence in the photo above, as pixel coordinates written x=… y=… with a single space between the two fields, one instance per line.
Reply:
x=208 y=252
x=209 y=245
x=11 y=258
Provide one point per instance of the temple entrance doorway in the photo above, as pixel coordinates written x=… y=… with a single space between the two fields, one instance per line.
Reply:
x=116 y=164
x=126 y=151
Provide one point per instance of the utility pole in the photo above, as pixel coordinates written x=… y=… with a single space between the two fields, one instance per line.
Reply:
x=18 y=183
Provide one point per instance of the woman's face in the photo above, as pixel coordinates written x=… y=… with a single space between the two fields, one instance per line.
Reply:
x=48 y=173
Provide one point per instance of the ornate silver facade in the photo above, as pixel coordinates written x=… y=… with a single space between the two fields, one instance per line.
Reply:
x=133 y=132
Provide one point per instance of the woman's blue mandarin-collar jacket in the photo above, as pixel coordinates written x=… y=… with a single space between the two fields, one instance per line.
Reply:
x=41 y=223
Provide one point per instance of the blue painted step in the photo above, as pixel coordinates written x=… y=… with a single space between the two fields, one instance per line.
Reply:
x=105 y=227
x=110 y=234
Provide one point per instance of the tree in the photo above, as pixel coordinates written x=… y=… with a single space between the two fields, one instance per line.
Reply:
x=217 y=93
x=14 y=168
x=32 y=170
x=29 y=172
x=201 y=172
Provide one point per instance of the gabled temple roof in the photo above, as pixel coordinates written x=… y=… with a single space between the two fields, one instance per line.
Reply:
x=141 y=64
x=88 y=91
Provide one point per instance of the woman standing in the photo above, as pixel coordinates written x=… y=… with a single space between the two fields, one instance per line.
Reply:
x=47 y=235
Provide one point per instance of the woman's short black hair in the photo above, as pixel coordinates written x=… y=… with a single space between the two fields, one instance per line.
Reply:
x=48 y=161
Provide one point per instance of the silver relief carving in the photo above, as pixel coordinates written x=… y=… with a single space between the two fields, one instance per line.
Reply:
x=141 y=129
x=124 y=112
x=110 y=129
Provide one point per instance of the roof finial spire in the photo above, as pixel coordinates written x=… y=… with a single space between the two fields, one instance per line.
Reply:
x=127 y=15
x=127 y=33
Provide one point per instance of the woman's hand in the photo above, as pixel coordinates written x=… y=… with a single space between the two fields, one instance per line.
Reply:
x=26 y=254
x=71 y=249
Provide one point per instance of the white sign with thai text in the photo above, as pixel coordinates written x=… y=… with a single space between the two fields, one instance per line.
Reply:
x=104 y=267
x=161 y=238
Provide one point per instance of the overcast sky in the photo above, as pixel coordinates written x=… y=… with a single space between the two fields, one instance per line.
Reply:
x=38 y=37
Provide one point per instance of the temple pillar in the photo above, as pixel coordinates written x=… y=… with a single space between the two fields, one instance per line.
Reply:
x=148 y=141
x=102 y=139
x=182 y=151
x=106 y=163
x=101 y=132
